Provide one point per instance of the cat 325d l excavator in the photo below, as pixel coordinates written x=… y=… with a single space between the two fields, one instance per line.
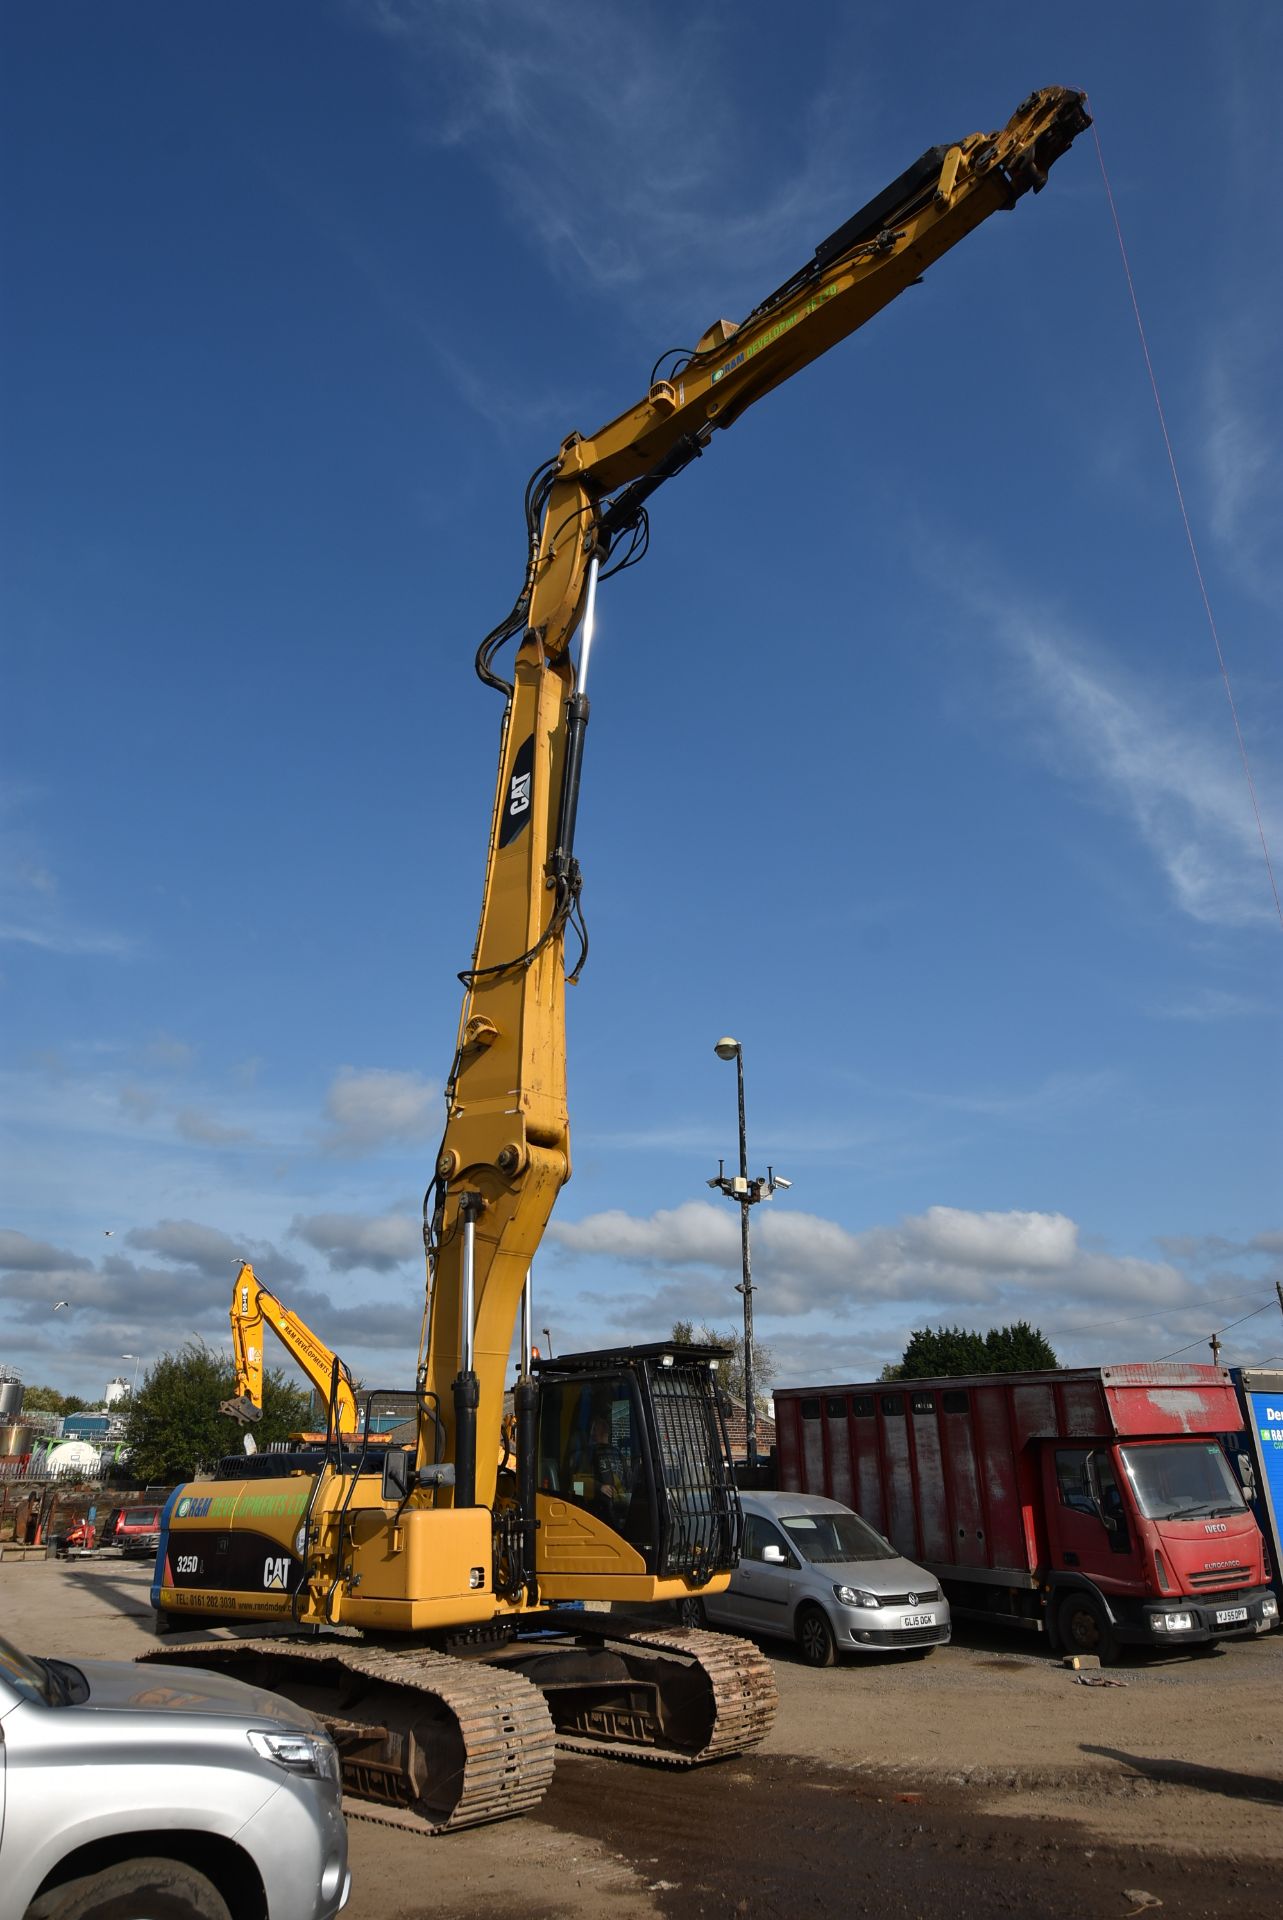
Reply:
x=451 y=1560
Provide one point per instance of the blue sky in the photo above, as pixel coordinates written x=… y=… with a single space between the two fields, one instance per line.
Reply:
x=910 y=762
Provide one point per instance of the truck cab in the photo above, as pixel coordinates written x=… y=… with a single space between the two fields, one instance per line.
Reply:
x=1160 y=1529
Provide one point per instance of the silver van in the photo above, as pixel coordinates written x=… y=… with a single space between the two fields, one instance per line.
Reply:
x=813 y=1572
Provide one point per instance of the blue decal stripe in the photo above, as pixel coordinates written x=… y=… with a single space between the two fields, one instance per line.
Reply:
x=163 y=1547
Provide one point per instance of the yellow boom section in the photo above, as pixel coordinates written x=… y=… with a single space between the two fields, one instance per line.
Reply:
x=505 y=1153
x=253 y=1308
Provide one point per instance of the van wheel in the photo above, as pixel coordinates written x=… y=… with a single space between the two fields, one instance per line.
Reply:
x=162 y=1889
x=692 y=1612
x=1083 y=1627
x=815 y=1640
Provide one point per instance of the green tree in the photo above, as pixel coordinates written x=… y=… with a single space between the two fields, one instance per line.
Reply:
x=686 y=1334
x=1018 y=1349
x=42 y=1400
x=49 y=1400
x=947 y=1352
x=933 y=1353
x=173 y=1428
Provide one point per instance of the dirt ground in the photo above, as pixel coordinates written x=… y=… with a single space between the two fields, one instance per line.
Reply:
x=983 y=1779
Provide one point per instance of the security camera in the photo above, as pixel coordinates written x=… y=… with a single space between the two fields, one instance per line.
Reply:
x=780 y=1181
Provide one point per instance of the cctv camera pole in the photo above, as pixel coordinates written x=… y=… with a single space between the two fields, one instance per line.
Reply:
x=746 y=1284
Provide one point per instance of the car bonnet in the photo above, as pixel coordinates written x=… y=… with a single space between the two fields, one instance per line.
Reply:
x=882 y=1577
x=120 y=1685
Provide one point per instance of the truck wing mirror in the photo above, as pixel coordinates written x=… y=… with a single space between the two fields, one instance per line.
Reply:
x=396 y=1475
x=774 y=1556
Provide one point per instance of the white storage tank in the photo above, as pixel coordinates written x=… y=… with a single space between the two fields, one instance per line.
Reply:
x=72 y=1457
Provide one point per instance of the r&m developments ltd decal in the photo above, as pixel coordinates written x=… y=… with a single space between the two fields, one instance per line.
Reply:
x=774 y=333
x=222 y=1506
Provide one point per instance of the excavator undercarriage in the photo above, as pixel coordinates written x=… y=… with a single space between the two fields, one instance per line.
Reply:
x=433 y=1742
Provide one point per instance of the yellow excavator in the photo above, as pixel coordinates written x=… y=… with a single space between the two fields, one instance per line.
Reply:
x=254 y=1308
x=451 y=1559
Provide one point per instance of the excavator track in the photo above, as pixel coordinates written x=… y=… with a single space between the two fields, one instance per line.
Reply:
x=677 y=1699
x=427 y=1742
x=432 y=1742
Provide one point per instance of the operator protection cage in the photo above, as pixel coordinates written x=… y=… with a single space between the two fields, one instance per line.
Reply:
x=638 y=1437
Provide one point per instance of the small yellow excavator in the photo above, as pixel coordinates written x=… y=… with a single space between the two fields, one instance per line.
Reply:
x=445 y=1563
x=253 y=1308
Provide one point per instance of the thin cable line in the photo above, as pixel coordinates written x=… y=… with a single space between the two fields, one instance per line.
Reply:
x=1218 y=1331
x=1099 y=1326
x=1189 y=531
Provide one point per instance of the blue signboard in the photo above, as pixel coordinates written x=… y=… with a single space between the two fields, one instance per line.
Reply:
x=1261 y=1397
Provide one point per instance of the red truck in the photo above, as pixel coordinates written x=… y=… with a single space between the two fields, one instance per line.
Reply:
x=1095 y=1503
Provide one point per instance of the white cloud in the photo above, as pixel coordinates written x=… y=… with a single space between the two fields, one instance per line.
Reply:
x=1208 y=1005
x=19 y=1253
x=1058 y=1094
x=213 y=1253
x=614 y=147
x=33 y=912
x=694 y=1234
x=381 y=1242
x=167 y=1051
x=995 y=1240
x=1179 y=781
x=1241 y=459
x=376 y=1106
x=203 y=1130
x=1011 y=1263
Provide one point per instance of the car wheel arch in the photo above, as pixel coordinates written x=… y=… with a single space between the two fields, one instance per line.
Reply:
x=224 y=1864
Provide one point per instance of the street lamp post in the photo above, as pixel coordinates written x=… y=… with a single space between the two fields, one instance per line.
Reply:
x=137 y=1360
x=747 y=1192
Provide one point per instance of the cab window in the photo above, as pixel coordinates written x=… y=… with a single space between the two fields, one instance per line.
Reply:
x=759 y=1533
x=590 y=1450
x=1075 y=1491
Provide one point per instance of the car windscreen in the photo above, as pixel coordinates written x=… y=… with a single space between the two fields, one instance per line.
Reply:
x=141 y=1517
x=26 y=1676
x=833 y=1539
x=1182 y=1480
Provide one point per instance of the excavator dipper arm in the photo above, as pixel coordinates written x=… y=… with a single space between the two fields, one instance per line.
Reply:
x=506 y=1148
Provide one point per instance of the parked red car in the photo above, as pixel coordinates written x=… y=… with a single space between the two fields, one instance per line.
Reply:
x=136 y=1532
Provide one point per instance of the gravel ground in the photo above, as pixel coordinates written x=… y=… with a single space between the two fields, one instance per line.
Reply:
x=984 y=1778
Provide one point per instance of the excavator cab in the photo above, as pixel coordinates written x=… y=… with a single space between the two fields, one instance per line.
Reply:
x=633 y=1471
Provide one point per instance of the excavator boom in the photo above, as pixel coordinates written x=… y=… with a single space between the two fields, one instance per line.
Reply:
x=505 y=1153
x=254 y=1308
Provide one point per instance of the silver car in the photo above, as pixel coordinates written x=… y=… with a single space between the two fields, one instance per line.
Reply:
x=129 y=1791
x=813 y=1572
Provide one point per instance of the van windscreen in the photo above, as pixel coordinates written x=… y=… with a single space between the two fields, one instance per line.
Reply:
x=834 y=1539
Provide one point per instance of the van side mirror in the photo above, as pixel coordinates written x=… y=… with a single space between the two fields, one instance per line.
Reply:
x=774 y=1556
x=396 y=1475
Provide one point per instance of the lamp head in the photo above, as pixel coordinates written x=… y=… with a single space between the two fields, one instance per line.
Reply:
x=726 y=1048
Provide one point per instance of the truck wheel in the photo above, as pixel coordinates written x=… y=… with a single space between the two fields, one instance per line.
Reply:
x=162 y=1889
x=1083 y=1628
x=815 y=1640
x=692 y=1612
